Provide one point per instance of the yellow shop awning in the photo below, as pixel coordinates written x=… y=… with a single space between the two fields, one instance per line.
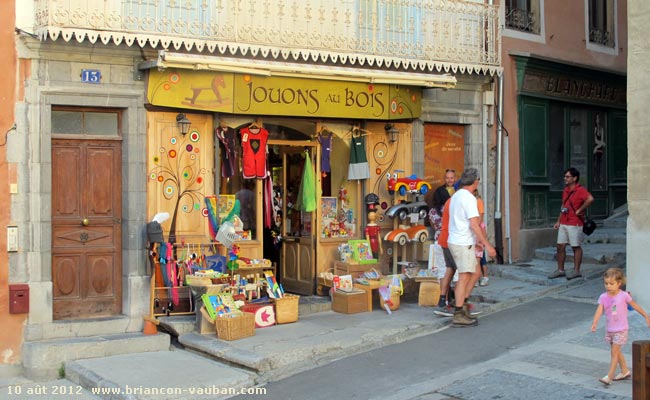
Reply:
x=295 y=70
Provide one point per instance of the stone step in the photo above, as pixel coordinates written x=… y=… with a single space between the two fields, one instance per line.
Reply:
x=607 y=235
x=160 y=375
x=537 y=271
x=178 y=325
x=43 y=360
x=597 y=253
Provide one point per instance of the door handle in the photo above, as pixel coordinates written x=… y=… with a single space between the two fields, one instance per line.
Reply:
x=85 y=222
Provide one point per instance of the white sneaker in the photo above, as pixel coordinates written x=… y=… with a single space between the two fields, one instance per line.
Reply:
x=483 y=281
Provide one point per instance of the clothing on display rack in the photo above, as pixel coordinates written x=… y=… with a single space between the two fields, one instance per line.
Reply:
x=253 y=142
x=358 y=168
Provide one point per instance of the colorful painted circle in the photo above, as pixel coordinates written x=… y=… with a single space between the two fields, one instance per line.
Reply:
x=196 y=150
x=172 y=153
x=153 y=176
x=173 y=140
x=186 y=208
x=380 y=218
x=400 y=110
x=195 y=136
x=380 y=154
x=162 y=150
x=204 y=212
x=174 y=78
x=199 y=180
x=169 y=190
x=189 y=148
x=156 y=159
x=161 y=178
x=384 y=205
x=389 y=251
x=167 y=86
x=393 y=106
x=192 y=156
x=378 y=171
x=186 y=175
x=197 y=206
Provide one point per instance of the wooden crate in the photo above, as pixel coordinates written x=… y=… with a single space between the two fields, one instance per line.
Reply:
x=350 y=303
x=354 y=269
x=236 y=326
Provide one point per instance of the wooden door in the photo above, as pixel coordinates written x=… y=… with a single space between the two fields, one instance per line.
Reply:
x=86 y=228
x=298 y=263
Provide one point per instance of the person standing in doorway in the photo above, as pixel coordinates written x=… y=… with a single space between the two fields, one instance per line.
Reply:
x=575 y=200
x=464 y=234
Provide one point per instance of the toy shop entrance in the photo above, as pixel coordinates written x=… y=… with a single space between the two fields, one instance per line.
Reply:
x=290 y=241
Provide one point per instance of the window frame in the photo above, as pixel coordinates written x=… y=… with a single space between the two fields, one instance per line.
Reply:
x=613 y=16
x=83 y=110
x=529 y=36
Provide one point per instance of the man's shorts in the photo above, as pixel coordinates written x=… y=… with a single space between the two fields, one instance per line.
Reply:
x=619 y=338
x=570 y=234
x=449 y=260
x=465 y=257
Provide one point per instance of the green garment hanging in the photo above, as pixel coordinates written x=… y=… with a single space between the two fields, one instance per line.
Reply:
x=306 y=200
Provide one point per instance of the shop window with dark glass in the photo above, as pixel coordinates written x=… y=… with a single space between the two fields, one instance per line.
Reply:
x=599 y=161
x=602 y=22
x=245 y=191
x=70 y=121
x=556 y=146
x=523 y=15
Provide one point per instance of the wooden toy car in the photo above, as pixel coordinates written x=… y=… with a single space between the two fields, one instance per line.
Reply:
x=402 y=234
x=403 y=210
x=402 y=185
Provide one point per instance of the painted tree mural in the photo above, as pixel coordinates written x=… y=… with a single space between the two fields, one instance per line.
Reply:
x=180 y=177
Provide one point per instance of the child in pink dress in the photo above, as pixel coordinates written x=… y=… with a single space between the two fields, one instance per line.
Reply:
x=614 y=304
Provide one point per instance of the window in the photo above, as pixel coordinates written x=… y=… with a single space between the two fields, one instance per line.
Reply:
x=85 y=122
x=523 y=15
x=602 y=22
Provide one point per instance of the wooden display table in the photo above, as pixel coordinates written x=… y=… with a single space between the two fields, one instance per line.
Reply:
x=373 y=285
x=352 y=268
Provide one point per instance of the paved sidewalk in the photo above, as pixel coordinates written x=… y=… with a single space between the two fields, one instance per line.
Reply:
x=317 y=339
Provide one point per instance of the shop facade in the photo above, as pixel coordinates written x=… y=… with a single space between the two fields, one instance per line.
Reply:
x=127 y=126
x=100 y=152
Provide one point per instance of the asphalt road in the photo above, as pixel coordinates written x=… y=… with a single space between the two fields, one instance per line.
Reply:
x=381 y=373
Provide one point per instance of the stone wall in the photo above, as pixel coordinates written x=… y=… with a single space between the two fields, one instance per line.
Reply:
x=638 y=170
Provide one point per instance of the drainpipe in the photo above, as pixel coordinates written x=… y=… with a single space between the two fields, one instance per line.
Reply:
x=498 y=237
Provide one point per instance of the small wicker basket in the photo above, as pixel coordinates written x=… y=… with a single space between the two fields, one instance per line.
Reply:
x=286 y=309
x=235 y=326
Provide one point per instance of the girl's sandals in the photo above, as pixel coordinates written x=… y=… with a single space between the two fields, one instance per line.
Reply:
x=623 y=376
x=605 y=380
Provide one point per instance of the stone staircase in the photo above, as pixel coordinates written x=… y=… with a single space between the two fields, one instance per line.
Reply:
x=605 y=248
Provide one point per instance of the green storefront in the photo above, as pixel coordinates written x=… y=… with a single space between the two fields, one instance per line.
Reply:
x=570 y=117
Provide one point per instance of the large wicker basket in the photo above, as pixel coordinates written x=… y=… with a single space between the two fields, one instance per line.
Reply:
x=286 y=309
x=235 y=326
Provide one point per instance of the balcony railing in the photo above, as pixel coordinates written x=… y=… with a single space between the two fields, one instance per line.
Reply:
x=415 y=33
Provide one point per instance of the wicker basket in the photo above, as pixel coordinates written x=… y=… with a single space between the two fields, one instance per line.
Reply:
x=235 y=326
x=286 y=309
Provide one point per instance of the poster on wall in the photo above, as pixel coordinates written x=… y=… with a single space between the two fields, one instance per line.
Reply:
x=444 y=149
